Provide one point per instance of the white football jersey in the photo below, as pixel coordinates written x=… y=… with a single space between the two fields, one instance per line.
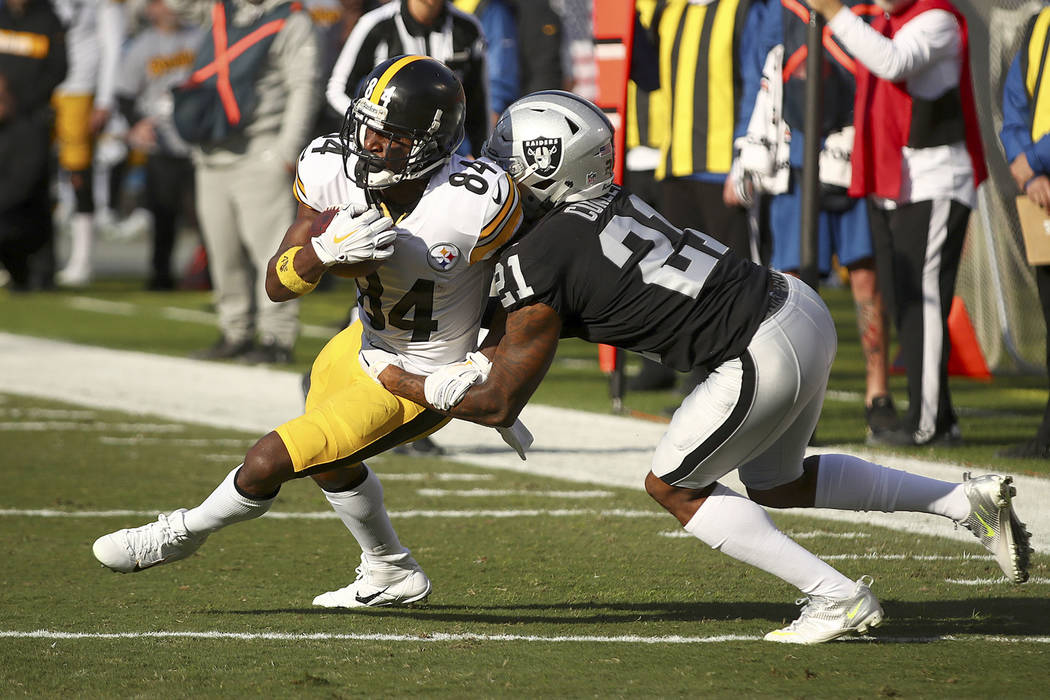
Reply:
x=426 y=301
x=95 y=33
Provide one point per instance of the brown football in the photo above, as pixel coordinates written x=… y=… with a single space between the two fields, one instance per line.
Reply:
x=322 y=220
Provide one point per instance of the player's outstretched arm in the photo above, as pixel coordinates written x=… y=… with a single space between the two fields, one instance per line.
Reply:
x=521 y=360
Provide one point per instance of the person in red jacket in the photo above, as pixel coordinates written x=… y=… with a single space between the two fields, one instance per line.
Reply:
x=917 y=156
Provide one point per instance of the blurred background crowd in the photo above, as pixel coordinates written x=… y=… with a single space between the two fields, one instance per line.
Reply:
x=179 y=122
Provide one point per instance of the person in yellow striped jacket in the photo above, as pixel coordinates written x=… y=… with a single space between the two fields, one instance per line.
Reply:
x=709 y=75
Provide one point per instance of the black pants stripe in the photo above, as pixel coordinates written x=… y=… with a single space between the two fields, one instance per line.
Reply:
x=917 y=252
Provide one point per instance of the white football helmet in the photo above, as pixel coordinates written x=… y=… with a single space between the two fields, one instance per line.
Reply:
x=557 y=146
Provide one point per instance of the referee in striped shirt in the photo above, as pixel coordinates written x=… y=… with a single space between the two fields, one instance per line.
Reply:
x=425 y=27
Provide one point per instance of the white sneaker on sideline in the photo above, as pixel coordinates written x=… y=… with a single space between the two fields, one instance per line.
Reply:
x=135 y=549
x=378 y=585
x=991 y=509
x=79 y=276
x=824 y=619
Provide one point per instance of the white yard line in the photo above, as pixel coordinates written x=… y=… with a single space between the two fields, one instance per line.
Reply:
x=793 y=535
x=603 y=450
x=500 y=493
x=330 y=515
x=433 y=637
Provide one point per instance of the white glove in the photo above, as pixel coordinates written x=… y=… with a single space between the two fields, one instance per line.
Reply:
x=352 y=238
x=447 y=386
x=374 y=361
x=517 y=436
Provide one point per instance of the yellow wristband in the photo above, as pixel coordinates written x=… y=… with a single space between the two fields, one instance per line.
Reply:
x=287 y=274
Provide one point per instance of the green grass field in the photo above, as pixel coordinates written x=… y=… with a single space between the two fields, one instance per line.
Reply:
x=558 y=589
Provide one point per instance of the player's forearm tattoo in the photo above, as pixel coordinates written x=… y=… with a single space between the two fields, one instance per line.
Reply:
x=400 y=383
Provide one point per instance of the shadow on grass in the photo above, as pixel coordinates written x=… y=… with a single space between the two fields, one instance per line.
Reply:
x=973 y=616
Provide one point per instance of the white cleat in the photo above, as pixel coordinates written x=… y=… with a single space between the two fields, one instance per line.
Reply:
x=135 y=549
x=993 y=521
x=73 y=276
x=378 y=585
x=824 y=619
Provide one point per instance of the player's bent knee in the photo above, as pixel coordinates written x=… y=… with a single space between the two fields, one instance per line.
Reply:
x=266 y=466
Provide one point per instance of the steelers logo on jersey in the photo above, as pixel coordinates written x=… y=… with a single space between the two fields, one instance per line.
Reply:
x=543 y=154
x=443 y=257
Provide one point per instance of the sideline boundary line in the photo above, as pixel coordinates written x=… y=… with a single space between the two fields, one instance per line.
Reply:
x=592 y=448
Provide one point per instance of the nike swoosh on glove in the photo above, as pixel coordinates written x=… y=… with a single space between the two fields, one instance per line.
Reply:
x=353 y=237
x=447 y=386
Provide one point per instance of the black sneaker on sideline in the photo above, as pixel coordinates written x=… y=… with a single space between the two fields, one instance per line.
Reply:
x=224 y=349
x=881 y=415
x=1032 y=449
x=268 y=352
x=423 y=447
x=903 y=437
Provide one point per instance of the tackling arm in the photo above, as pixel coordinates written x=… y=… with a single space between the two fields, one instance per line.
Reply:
x=521 y=360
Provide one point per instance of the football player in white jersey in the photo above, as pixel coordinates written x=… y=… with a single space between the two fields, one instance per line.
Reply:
x=83 y=103
x=386 y=202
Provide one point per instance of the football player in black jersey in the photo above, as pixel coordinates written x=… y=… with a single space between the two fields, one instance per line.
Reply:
x=601 y=265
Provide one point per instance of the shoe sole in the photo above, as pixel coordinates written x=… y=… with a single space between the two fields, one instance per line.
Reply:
x=1019 y=536
x=1016 y=536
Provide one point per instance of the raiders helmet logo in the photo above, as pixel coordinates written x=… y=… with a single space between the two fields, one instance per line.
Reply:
x=543 y=154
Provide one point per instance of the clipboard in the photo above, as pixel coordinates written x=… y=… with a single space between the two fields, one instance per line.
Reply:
x=1035 y=226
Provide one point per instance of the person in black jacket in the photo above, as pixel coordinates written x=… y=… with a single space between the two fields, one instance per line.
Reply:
x=32 y=64
x=25 y=207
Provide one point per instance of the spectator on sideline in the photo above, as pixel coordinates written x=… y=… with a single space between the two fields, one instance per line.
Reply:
x=501 y=50
x=334 y=19
x=30 y=68
x=917 y=156
x=539 y=46
x=83 y=104
x=25 y=197
x=644 y=124
x=1025 y=135
x=710 y=66
x=432 y=28
x=244 y=151
x=157 y=59
x=843 y=227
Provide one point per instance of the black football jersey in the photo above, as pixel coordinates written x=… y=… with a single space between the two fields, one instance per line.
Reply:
x=618 y=273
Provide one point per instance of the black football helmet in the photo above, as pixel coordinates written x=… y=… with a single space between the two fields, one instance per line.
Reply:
x=414 y=99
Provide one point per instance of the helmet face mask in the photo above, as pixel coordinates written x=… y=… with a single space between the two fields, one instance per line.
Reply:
x=557 y=147
x=406 y=120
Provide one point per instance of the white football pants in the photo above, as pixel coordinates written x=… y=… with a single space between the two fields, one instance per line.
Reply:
x=756 y=413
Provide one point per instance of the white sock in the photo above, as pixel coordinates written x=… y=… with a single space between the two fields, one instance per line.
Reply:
x=363 y=513
x=850 y=483
x=742 y=529
x=225 y=506
x=82 y=239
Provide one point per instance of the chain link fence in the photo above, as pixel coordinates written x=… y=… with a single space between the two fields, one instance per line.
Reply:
x=995 y=280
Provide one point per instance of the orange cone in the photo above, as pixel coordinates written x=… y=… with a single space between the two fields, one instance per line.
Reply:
x=607 y=358
x=966 y=359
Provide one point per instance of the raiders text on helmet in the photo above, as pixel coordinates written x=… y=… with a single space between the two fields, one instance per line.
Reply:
x=414 y=99
x=557 y=145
